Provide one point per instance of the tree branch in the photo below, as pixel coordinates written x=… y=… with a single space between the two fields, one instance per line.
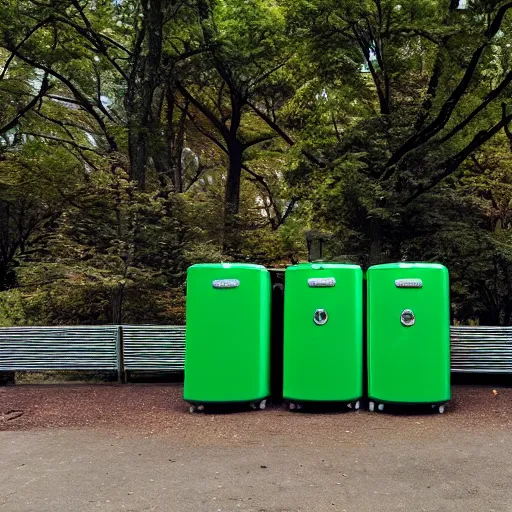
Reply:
x=204 y=110
x=479 y=166
x=364 y=46
x=98 y=95
x=175 y=8
x=83 y=101
x=64 y=126
x=64 y=141
x=195 y=178
x=94 y=38
x=270 y=72
x=204 y=132
x=96 y=34
x=488 y=99
x=284 y=135
x=29 y=106
x=289 y=209
x=335 y=124
x=506 y=128
x=451 y=103
x=421 y=138
x=451 y=165
x=495 y=25
x=278 y=216
x=258 y=140
x=64 y=99
x=81 y=156
x=416 y=32
x=431 y=91
x=35 y=28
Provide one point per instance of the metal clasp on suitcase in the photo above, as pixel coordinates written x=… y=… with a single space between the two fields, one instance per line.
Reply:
x=320 y=317
x=407 y=318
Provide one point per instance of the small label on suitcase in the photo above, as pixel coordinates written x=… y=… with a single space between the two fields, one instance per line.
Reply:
x=319 y=282
x=226 y=283
x=409 y=283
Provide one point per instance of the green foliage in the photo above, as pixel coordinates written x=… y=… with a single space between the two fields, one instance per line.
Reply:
x=139 y=138
x=12 y=311
x=109 y=250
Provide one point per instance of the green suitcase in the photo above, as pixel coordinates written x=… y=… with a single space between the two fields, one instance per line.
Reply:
x=408 y=334
x=323 y=331
x=227 y=357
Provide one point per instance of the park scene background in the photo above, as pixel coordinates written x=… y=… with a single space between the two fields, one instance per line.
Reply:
x=139 y=138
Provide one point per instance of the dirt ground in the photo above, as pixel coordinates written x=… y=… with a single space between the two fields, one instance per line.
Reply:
x=137 y=448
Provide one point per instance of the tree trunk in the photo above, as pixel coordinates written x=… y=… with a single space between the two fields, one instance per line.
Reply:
x=144 y=78
x=116 y=301
x=376 y=255
x=3 y=276
x=168 y=141
x=232 y=198
x=507 y=315
x=177 y=155
x=232 y=194
x=508 y=298
x=4 y=242
x=138 y=152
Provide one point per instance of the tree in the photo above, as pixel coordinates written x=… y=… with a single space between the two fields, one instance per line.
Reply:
x=111 y=245
x=37 y=182
x=111 y=71
x=434 y=108
x=235 y=72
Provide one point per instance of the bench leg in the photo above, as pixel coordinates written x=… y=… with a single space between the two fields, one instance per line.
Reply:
x=7 y=378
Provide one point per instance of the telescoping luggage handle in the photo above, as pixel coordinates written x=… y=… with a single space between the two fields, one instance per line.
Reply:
x=222 y=284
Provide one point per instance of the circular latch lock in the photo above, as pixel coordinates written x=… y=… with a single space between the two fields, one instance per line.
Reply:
x=407 y=318
x=320 y=317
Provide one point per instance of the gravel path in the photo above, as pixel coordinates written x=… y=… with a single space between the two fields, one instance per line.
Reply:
x=137 y=448
x=160 y=410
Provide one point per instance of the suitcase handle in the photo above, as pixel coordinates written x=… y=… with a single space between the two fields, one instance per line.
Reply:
x=322 y=282
x=222 y=284
x=409 y=283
